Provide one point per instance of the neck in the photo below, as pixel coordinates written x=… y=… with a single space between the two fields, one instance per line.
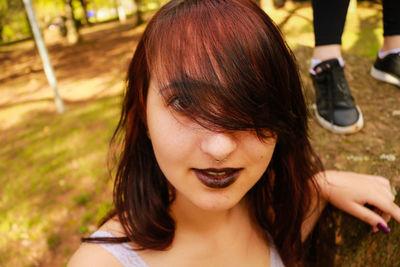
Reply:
x=190 y=218
x=213 y=237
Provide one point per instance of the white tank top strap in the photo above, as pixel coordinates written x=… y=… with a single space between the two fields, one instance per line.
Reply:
x=121 y=251
x=129 y=258
x=275 y=258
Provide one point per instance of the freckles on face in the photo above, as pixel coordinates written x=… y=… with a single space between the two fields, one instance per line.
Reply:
x=171 y=137
x=183 y=148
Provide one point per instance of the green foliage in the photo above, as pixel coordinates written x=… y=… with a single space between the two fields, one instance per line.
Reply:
x=13 y=23
x=43 y=162
x=82 y=229
x=53 y=241
x=82 y=199
x=3 y=8
x=46 y=11
x=79 y=13
x=102 y=210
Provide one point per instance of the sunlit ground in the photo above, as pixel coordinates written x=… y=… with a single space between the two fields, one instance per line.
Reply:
x=362 y=34
x=54 y=182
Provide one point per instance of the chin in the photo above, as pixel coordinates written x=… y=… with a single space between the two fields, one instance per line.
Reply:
x=216 y=203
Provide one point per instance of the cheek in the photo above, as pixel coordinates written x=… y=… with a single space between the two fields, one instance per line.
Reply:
x=165 y=137
x=262 y=154
x=268 y=152
x=171 y=142
x=258 y=151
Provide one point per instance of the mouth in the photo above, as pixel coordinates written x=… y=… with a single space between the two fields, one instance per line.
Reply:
x=217 y=178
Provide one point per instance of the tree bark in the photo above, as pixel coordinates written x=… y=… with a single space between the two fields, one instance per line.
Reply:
x=139 y=15
x=72 y=31
x=340 y=240
x=44 y=55
x=84 y=6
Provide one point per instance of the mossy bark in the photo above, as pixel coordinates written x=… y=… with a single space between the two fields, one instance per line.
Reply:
x=340 y=240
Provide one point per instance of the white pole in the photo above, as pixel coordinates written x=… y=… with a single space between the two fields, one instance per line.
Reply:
x=44 y=55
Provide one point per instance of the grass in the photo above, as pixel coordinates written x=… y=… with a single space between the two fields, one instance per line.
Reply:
x=51 y=166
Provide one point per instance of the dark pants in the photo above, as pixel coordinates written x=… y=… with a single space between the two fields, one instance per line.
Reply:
x=330 y=16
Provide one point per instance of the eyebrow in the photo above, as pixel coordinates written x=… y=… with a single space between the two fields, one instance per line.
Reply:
x=189 y=82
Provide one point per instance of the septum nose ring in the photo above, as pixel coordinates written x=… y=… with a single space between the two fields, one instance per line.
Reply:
x=218 y=160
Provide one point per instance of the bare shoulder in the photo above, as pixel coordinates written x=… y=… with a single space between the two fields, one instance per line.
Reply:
x=114 y=227
x=90 y=254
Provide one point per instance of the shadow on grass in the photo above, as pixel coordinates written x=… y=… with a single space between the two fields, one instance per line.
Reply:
x=367 y=43
x=47 y=162
x=100 y=54
x=293 y=13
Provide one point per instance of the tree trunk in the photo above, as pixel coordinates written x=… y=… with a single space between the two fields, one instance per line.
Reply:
x=84 y=6
x=120 y=11
x=72 y=31
x=340 y=240
x=139 y=15
x=29 y=25
x=44 y=55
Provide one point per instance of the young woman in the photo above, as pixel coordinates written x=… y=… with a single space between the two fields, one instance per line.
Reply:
x=216 y=166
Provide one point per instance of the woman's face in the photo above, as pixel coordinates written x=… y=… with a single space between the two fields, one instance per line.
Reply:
x=188 y=156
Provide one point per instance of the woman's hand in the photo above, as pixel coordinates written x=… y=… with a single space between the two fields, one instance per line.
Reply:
x=350 y=192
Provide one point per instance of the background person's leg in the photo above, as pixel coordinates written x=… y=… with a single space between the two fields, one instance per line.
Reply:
x=329 y=20
x=387 y=64
x=335 y=107
x=391 y=18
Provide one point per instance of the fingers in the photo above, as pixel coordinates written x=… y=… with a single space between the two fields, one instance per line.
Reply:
x=383 y=201
x=373 y=218
x=384 y=186
x=351 y=191
x=384 y=216
x=367 y=216
x=385 y=210
x=392 y=210
x=384 y=181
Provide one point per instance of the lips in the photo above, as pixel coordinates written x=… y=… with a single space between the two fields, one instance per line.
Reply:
x=217 y=178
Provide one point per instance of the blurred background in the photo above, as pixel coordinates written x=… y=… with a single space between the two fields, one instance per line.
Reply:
x=54 y=181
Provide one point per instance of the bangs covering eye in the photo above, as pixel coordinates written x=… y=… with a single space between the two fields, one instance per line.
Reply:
x=213 y=107
x=223 y=70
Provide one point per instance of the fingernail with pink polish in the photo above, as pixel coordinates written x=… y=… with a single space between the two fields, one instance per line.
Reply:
x=383 y=228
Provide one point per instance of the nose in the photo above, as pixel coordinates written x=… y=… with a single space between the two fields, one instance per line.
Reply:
x=218 y=145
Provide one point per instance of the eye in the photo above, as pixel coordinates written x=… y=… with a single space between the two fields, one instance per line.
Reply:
x=178 y=103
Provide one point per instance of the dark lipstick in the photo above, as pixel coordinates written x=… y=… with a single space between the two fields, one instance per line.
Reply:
x=217 y=178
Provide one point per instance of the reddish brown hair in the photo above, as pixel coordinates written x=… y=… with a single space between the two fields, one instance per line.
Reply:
x=227 y=64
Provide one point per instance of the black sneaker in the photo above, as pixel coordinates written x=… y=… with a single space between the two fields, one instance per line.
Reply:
x=387 y=69
x=335 y=109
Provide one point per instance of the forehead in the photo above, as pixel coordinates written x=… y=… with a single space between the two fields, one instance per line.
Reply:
x=208 y=41
x=221 y=60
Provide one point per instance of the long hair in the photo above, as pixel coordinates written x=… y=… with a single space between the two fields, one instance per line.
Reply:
x=228 y=63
